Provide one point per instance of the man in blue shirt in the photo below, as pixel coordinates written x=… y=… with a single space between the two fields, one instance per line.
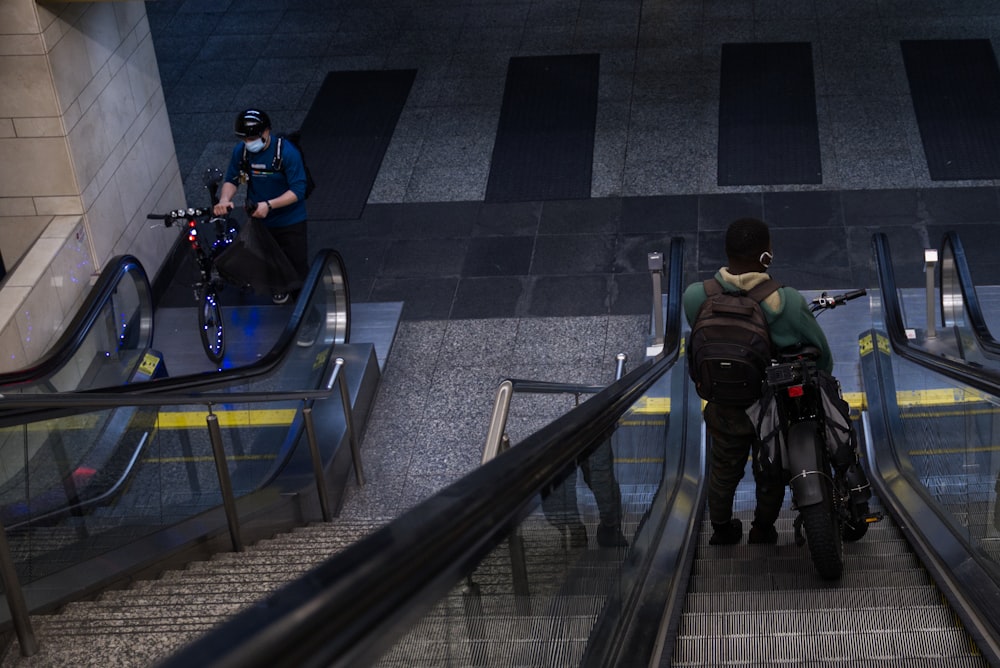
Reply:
x=276 y=187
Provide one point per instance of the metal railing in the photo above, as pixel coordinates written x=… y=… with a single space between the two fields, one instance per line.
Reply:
x=333 y=379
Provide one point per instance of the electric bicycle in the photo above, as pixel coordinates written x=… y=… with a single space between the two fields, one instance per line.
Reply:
x=805 y=428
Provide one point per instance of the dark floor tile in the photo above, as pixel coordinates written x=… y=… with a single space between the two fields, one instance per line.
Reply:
x=498 y=256
x=424 y=258
x=375 y=223
x=567 y=296
x=631 y=294
x=956 y=206
x=812 y=259
x=362 y=257
x=667 y=215
x=488 y=297
x=581 y=216
x=711 y=253
x=434 y=220
x=906 y=245
x=716 y=212
x=423 y=298
x=360 y=289
x=573 y=254
x=632 y=252
x=803 y=209
x=880 y=207
x=507 y=219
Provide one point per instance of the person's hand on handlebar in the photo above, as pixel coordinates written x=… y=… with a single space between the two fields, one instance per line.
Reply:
x=260 y=210
x=222 y=208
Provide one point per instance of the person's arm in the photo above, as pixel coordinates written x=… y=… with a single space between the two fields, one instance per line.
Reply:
x=226 y=194
x=814 y=334
x=230 y=183
x=295 y=174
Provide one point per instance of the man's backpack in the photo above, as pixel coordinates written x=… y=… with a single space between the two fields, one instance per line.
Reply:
x=294 y=137
x=730 y=344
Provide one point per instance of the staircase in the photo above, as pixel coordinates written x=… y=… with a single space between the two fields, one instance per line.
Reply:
x=151 y=619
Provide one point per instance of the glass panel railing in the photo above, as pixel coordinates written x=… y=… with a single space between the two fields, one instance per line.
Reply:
x=76 y=486
x=949 y=442
x=537 y=596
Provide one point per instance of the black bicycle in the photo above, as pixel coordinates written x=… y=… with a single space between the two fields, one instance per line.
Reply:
x=206 y=248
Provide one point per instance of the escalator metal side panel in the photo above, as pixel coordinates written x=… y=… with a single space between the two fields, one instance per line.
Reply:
x=969 y=587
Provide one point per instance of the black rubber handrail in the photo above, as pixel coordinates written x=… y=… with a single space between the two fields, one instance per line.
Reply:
x=970 y=582
x=976 y=377
x=355 y=604
x=958 y=293
x=66 y=346
x=222 y=378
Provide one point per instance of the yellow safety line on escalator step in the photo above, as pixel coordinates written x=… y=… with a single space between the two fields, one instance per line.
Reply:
x=270 y=417
x=857 y=400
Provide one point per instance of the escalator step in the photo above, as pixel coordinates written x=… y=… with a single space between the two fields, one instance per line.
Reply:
x=855 y=649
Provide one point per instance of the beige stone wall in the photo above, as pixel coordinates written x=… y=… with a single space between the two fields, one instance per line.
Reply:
x=85 y=153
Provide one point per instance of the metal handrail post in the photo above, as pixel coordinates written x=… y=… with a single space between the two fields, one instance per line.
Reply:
x=621 y=362
x=498 y=420
x=15 y=599
x=656 y=270
x=930 y=260
x=225 y=484
x=317 y=462
x=345 y=399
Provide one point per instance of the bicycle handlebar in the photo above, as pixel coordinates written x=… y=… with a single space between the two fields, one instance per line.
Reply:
x=178 y=214
x=825 y=301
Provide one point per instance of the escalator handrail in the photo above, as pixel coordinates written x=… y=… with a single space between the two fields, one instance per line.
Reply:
x=270 y=360
x=65 y=347
x=24 y=412
x=357 y=602
x=976 y=377
x=952 y=560
x=955 y=265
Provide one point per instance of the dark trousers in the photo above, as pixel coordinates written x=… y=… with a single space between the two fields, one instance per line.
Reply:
x=293 y=240
x=560 y=505
x=732 y=442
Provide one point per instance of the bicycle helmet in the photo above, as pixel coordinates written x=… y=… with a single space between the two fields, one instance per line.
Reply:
x=252 y=123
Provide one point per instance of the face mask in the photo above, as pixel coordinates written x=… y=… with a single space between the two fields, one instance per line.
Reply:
x=765 y=259
x=255 y=146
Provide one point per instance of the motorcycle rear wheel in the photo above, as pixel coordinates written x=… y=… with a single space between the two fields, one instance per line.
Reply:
x=823 y=535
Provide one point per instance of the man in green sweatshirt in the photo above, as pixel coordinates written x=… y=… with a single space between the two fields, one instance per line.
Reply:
x=790 y=322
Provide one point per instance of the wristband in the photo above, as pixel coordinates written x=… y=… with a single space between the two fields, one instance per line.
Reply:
x=268 y=203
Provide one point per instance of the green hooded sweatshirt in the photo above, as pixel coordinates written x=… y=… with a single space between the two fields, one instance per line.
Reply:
x=788 y=316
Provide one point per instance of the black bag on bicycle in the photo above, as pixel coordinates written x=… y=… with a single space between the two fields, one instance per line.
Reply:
x=256 y=260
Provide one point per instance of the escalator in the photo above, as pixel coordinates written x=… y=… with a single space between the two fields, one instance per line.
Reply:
x=103 y=483
x=480 y=575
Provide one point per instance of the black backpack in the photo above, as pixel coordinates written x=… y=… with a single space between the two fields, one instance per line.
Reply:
x=276 y=164
x=730 y=344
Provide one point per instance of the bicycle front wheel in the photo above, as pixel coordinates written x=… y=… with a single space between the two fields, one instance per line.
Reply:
x=213 y=336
